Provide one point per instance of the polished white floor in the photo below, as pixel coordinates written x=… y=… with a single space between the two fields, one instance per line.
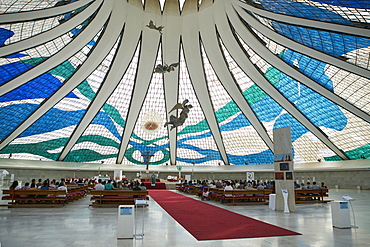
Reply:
x=76 y=224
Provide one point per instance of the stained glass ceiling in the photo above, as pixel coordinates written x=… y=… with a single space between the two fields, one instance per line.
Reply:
x=86 y=81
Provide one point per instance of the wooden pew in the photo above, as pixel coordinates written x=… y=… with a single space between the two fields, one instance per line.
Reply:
x=179 y=187
x=35 y=198
x=215 y=194
x=242 y=196
x=311 y=195
x=113 y=198
x=191 y=189
x=76 y=192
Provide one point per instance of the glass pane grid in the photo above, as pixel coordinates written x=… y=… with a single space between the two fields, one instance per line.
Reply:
x=351 y=87
x=52 y=134
x=237 y=138
x=352 y=49
x=151 y=119
x=14 y=6
x=120 y=101
x=316 y=11
x=194 y=142
x=355 y=12
x=354 y=136
x=100 y=140
x=317 y=149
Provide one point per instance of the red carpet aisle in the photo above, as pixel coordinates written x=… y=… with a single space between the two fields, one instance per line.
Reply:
x=208 y=222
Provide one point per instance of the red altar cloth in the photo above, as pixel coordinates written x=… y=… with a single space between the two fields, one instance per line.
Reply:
x=158 y=185
x=149 y=180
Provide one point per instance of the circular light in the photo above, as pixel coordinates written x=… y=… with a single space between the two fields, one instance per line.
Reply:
x=151 y=121
x=151 y=125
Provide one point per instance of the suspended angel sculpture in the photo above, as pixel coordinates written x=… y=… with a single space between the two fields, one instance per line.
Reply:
x=165 y=68
x=152 y=26
x=178 y=121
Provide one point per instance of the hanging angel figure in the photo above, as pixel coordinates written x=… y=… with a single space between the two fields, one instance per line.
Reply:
x=165 y=68
x=152 y=26
x=159 y=69
x=178 y=121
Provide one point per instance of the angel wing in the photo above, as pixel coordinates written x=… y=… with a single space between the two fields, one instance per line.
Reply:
x=174 y=65
x=160 y=29
x=176 y=107
x=185 y=102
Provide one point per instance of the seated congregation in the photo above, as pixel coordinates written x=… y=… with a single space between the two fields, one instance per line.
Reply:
x=52 y=193
x=236 y=192
x=43 y=194
x=105 y=194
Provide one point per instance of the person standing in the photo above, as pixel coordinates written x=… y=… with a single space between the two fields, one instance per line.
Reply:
x=153 y=179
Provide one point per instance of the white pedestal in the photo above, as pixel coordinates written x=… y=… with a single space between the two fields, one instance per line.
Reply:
x=142 y=204
x=285 y=197
x=340 y=214
x=126 y=221
x=272 y=201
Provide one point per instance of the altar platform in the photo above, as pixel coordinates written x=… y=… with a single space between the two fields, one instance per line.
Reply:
x=158 y=186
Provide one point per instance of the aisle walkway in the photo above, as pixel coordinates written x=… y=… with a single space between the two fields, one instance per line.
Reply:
x=78 y=225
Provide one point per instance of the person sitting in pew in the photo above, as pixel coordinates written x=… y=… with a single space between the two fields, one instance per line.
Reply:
x=14 y=185
x=249 y=186
x=315 y=186
x=323 y=186
x=33 y=184
x=62 y=187
x=136 y=187
x=44 y=186
x=52 y=185
x=268 y=185
x=212 y=185
x=241 y=185
x=296 y=185
x=142 y=186
x=39 y=183
x=218 y=185
x=309 y=185
x=260 y=187
x=99 y=185
x=26 y=186
x=109 y=185
x=228 y=187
